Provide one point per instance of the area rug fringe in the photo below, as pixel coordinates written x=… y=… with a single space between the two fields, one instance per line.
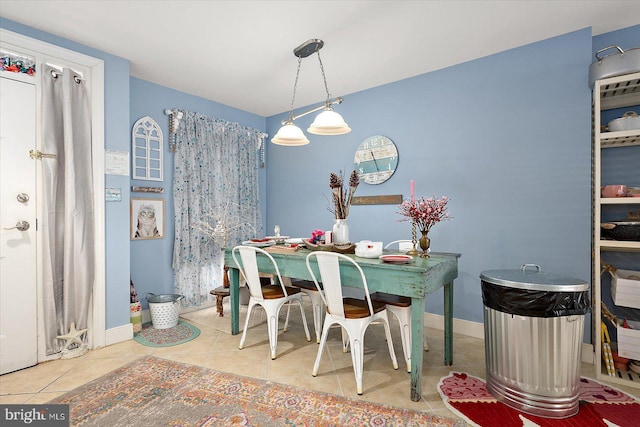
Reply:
x=155 y=392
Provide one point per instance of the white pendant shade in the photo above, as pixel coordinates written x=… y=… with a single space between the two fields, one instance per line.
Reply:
x=329 y=123
x=290 y=135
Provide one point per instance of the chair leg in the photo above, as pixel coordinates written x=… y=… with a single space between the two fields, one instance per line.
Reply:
x=272 y=326
x=345 y=340
x=317 y=305
x=405 y=335
x=219 y=306
x=357 y=359
x=404 y=319
x=387 y=332
x=246 y=324
x=286 y=322
x=323 y=342
x=316 y=321
x=304 y=319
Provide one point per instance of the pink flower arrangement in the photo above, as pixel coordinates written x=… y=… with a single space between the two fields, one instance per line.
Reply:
x=425 y=212
x=316 y=236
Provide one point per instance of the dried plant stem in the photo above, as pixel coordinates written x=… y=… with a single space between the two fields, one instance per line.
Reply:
x=351 y=191
x=342 y=199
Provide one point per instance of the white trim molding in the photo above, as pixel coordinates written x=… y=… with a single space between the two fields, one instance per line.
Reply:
x=464 y=327
x=119 y=334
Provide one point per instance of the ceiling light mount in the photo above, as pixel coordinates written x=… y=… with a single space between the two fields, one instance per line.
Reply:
x=328 y=122
x=308 y=48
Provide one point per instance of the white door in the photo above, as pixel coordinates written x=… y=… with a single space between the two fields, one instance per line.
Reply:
x=18 y=309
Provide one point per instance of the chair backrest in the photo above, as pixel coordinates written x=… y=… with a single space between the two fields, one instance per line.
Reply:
x=403 y=245
x=249 y=268
x=329 y=268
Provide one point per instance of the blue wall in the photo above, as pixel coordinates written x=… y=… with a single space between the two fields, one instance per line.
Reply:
x=151 y=260
x=506 y=137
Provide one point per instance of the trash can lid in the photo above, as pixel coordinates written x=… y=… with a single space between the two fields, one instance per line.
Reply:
x=159 y=299
x=531 y=277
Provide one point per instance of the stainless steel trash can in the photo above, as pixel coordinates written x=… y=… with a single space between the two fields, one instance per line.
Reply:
x=533 y=330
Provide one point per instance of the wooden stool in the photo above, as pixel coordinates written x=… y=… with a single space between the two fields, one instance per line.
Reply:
x=220 y=292
x=223 y=291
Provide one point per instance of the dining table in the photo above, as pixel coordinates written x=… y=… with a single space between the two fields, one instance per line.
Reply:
x=415 y=279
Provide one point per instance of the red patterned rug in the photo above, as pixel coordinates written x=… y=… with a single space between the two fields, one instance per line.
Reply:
x=600 y=405
x=157 y=392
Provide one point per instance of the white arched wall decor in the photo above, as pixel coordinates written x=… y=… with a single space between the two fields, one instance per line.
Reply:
x=146 y=150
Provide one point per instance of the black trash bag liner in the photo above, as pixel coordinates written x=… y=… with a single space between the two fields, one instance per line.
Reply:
x=524 y=302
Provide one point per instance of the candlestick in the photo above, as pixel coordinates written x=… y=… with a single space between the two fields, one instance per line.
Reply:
x=413 y=192
x=414 y=239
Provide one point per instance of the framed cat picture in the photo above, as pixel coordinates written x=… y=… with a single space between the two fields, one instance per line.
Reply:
x=147 y=219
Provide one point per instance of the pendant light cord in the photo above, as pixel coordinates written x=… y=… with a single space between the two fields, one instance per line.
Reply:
x=295 y=85
x=326 y=87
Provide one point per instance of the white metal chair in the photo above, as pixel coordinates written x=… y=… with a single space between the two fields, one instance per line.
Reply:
x=270 y=297
x=401 y=308
x=352 y=314
x=403 y=245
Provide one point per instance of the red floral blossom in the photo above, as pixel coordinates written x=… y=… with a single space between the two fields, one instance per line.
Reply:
x=425 y=212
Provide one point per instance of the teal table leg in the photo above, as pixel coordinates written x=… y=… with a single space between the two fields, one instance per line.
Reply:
x=417 y=337
x=448 y=324
x=234 y=284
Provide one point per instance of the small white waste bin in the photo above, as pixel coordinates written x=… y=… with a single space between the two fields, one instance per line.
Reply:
x=164 y=310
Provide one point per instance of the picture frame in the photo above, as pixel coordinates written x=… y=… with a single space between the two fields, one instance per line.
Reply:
x=147 y=219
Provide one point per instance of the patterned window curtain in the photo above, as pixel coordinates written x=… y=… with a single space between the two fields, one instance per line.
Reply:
x=215 y=180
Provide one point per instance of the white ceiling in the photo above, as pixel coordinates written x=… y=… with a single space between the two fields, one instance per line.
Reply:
x=240 y=53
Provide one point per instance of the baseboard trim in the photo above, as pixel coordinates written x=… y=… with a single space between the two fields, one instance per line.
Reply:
x=588 y=355
x=460 y=326
x=119 y=334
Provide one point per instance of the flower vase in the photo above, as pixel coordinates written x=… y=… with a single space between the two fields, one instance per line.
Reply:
x=340 y=231
x=425 y=242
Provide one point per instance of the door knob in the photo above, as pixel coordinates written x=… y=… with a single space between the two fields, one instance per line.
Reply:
x=20 y=225
x=22 y=197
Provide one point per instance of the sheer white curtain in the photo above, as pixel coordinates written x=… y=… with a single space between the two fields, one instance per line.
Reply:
x=215 y=177
x=68 y=223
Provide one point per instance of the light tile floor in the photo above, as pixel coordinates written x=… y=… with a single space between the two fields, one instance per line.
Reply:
x=216 y=348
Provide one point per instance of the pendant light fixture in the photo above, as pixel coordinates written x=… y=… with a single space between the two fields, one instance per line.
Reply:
x=328 y=122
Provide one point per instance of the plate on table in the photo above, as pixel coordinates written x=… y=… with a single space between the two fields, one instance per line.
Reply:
x=277 y=237
x=396 y=259
x=259 y=243
x=294 y=241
